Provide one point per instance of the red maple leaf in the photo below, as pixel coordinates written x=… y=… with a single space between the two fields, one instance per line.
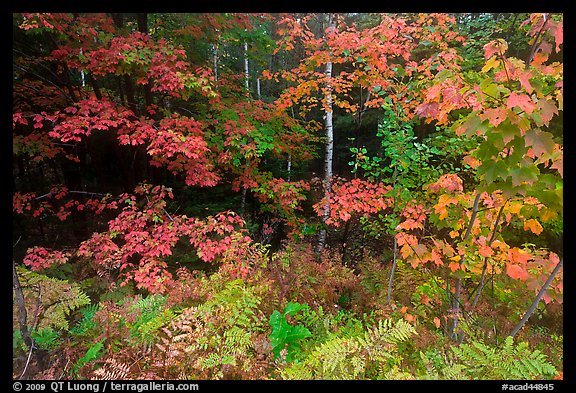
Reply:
x=522 y=101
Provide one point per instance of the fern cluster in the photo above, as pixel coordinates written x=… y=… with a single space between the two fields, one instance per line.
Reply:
x=477 y=360
x=220 y=338
x=372 y=354
x=112 y=369
x=146 y=316
x=49 y=301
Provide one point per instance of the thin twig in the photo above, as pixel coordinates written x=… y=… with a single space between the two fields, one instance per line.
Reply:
x=32 y=347
x=533 y=48
x=537 y=300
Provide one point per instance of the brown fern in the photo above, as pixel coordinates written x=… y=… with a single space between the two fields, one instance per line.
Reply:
x=112 y=369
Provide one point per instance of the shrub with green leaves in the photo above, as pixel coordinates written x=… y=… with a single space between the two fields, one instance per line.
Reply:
x=285 y=336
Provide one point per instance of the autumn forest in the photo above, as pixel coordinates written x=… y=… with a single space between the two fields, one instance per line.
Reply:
x=255 y=196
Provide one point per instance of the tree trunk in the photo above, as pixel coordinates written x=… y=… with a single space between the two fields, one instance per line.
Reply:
x=537 y=300
x=395 y=256
x=215 y=61
x=20 y=303
x=458 y=287
x=247 y=86
x=246 y=70
x=327 y=184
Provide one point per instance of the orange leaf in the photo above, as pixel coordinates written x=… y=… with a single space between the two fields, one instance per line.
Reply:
x=437 y=322
x=424 y=299
x=436 y=258
x=497 y=46
x=454 y=234
x=533 y=225
x=514 y=207
x=495 y=115
x=485 y=251
x=519 y=256
x=454 y=266
x=524 y=78
x=410 y=224
x=471 y=161
x=414 y=262
x=517 y=272
x=559 y=376
x=559 y=166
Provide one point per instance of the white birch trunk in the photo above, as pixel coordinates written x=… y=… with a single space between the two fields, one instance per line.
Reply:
x=327 y=183
x=246 y=71
x=289 y=167
x=82 y=76
x=215 y=61
x=246 y=79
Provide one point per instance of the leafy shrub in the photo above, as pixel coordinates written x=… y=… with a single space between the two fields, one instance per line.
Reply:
x=285 y=337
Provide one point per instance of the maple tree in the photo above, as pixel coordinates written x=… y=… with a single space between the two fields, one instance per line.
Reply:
x=186 y=177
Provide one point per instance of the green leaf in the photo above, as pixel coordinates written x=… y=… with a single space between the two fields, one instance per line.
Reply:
x=298 y=333
x=541 y=142
x=283 y=334
x=474 y=124
x=528 y=174
x=493 y=170
x=507 y=130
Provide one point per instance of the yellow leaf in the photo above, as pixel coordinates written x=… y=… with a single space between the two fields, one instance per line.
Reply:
x=514 y=207
x=406 y=251
x=533 y=225
x=491 y=63
x=548 y=214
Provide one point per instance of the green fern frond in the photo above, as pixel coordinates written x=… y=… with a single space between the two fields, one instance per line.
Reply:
x=507 y=362
x=370 y=354
x=237 y=340
x=92 y=353
x=86 y=323
x=58 y=298
x=440 y=368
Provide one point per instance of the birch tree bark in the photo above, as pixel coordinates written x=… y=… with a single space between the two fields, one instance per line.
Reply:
x=246 y=70
x=215 y=61
x=327 y=183
x=247 y=85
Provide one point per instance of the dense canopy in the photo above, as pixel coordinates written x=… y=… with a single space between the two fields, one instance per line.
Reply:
x=287 y=196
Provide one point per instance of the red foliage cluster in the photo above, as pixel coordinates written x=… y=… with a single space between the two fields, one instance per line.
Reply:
x=60 y=201
x=140 y=237
x=39 y=258
x=354 y=196
x=450 y=183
